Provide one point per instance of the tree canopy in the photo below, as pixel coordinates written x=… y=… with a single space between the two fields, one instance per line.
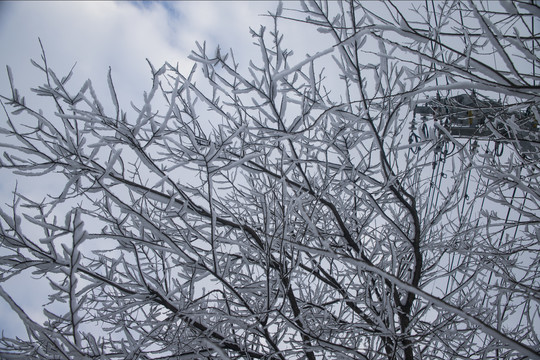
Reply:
x=375 y=199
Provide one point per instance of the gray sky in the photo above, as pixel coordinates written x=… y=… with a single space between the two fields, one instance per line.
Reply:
x=122 y=34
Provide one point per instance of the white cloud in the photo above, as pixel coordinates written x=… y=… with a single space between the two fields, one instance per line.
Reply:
x=95 y=35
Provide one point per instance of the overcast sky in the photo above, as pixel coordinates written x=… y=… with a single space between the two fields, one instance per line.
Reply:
x=96 y=35
x=122 y=34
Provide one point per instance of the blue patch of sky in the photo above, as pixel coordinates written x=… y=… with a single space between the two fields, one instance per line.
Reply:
x=149 y=4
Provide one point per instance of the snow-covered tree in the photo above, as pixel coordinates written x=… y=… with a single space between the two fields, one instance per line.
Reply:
x=376 y=199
